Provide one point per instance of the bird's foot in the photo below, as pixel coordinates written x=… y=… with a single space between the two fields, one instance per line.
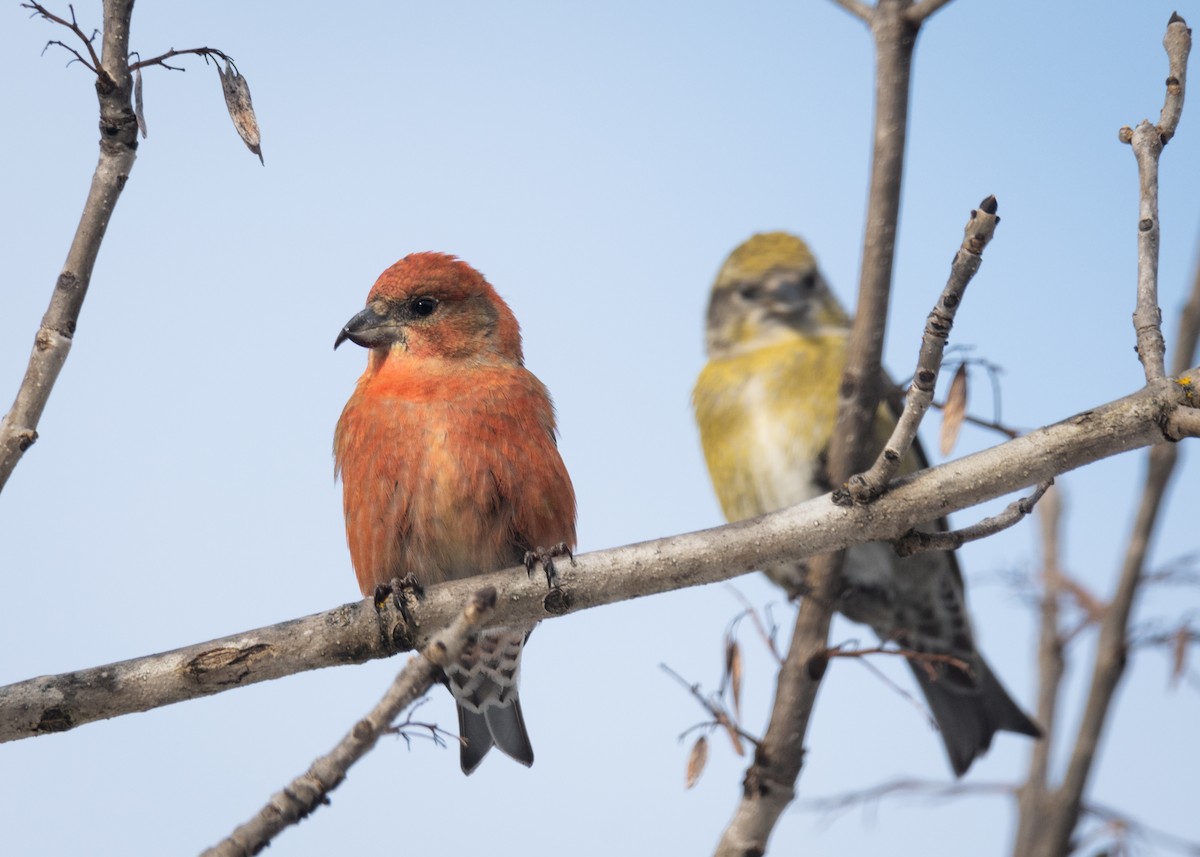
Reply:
x=546 y=557
x=399 y=589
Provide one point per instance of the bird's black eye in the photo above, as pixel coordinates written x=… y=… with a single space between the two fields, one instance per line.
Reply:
x=808 y=282
x=423 y=306
x=750 y=293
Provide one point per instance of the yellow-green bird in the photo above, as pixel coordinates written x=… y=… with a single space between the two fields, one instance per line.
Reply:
x=766 y=404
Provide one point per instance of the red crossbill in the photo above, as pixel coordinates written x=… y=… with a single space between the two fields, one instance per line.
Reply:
x=449 y=465
x=766 y=403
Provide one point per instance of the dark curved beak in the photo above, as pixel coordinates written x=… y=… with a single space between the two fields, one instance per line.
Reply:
x=369 y=329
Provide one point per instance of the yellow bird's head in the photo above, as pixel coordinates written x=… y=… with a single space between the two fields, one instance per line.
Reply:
x=770 y=290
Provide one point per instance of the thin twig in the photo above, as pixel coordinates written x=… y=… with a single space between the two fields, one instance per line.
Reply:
x=910 y=698
x=917 y=541
x=940 y=791
x=927 y=660
x=982 y=423
x=925 y=788
x=201 y=52
x=1129 y=824
x=311 y=789
x=981 y=226
x=1178 y=44
x=78 y=56
x=95 y=66
x=768 y=637
x=720 y=717
x=405 y=729
x=1163 y=639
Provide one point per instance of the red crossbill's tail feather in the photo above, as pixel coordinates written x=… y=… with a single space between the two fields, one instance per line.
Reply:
x=968 y=718
x=484 y=684
x=502 y=727
x=475 y=738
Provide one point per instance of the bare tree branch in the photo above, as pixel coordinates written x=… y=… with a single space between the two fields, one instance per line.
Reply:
x=1124 y=825
x=720 y=717
x=1115 y=821
x=118 y=148
x=769 y=784
x=308 y=791
x=981 y=225
x=859 y=10
x=919 y=12
x=95 y=66
x=925 y=788
x=992 y=425
x=1178 y=44
x=925 y=658
x=356 y=632
x=1148 y=141
x=1110 y=659
x=1188 y=333
x=1031 y=796
x=948 y=540
x=1049 y=819
x=767 y=636
x=161 y=59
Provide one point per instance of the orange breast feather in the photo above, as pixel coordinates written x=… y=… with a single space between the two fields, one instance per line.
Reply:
x=448 y=474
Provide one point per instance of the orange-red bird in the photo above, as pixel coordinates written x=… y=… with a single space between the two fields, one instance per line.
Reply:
x=449 y=465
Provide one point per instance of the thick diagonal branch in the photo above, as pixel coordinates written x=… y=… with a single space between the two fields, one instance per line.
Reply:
x=356 y=632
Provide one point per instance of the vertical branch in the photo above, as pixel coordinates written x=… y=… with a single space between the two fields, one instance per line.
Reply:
x=1032 y=796
x=1147 y=317
x=118 y=148
x=1147 y=141
x=1188 y=334
x=895 y=38
x=769 y=784
x=1046 y=830
x=1063 y=811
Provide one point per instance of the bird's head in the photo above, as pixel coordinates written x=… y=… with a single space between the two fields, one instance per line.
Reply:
x=435 y=305
x=768 y=289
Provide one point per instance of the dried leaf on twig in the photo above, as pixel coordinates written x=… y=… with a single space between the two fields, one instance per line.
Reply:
x=1179 y=652
x=735 y=737
x=137 y=101
x=241 y=110
x=696 y=760
x=733 y=669
x=955 y=409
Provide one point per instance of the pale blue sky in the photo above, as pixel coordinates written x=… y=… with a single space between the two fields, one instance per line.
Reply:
x=596 y=163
